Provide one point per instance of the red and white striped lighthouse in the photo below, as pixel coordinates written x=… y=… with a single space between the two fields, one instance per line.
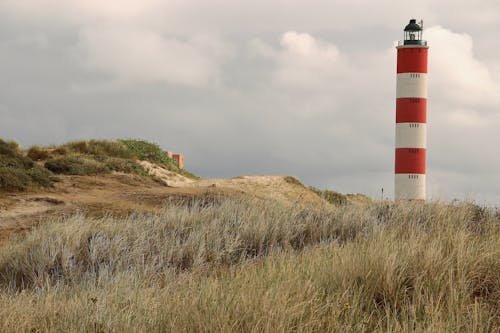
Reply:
x=411 y=114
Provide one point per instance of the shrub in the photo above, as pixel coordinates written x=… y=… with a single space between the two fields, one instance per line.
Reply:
x=10 y=156
x=18 y=172
x=90 y=157
x=19 y=179
x=332 y=197
x=12 y=179
x=147 y=151
x=37 y=153
x=9 y=148
x=293 y=180
x=61 y=151
x=75 y=165
x=41 y=176
x=124 y=165
x=100 y=148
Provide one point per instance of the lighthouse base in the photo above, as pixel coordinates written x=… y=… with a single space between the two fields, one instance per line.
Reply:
x=409 y=186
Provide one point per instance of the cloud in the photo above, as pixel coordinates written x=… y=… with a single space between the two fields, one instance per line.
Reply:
x=127 y=40
x=81 y=11
x=135 y=55
x=304 y=61
x=457 y=76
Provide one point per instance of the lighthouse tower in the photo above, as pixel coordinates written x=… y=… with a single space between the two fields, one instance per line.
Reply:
x=411 y=112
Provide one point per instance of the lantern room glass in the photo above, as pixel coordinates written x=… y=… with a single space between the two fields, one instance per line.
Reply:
x=413 y=35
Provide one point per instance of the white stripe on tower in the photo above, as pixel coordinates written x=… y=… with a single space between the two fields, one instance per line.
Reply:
x=411 y=85
x=411 y=135
x=410 y=186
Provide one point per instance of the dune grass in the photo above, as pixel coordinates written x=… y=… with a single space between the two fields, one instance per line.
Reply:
x=103 y=156
x=34 y=168
x=253 y=266
x=19 y=172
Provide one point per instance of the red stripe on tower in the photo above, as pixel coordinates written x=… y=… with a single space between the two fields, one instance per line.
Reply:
x=410 y=160
x=411 y=110
x=411 y=115
x=412 y=60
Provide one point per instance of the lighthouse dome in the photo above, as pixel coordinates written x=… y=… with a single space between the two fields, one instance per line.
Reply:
x=413 y=26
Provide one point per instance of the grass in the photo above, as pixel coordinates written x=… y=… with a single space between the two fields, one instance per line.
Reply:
x=19 y=172
x=22 y=170
x=75 y=165
x=339 y=199
x=253 y=266
x=120 y=155
x=148 y=151
x=332 y=197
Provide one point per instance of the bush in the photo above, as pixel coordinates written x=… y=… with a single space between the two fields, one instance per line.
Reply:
x=332 y=197
x=12 y=179
x=75 y=165
x=37 y=153
x=18 y=172
x=19 y=179
x=147 y=151
x=9 y=149
x=293 y=180
x=100 y=148
x=151 y=152
x=124 y=165
x=41 y=176
x=90 y=157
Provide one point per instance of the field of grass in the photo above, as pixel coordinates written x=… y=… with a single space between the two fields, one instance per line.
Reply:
x=241 y=265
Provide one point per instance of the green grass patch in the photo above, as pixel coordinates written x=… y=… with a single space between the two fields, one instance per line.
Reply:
x=93 y=157
x=152 y=152
x=106 y=148
x=20 y=170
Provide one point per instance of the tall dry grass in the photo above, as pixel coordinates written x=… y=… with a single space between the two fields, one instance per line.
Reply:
x=251 y=266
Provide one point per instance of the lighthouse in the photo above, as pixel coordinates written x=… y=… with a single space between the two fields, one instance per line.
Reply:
x=411 y=114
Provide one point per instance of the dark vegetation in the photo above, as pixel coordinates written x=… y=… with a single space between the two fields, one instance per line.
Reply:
x=21 y=170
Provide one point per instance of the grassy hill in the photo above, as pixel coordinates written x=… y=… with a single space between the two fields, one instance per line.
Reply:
x=22 y=170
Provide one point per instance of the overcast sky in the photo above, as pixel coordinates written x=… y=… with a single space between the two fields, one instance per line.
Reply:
x=304 y=88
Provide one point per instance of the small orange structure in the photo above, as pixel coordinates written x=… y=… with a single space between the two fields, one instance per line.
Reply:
x=179 y=158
